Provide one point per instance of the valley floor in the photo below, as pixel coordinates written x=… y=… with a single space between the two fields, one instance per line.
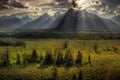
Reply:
x=100 y=60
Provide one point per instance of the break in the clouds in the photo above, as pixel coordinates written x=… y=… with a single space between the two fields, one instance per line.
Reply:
x=39 y=7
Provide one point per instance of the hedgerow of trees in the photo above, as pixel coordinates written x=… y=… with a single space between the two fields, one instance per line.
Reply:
x=66 y=60
x=66 y=35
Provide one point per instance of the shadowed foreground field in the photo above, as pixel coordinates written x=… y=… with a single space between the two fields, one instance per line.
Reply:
x=60 y=59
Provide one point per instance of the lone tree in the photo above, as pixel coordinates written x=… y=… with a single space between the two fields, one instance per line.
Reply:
x=48 y=58
x=59 y=60
x=89 y=59
x=34 y=56
x=18 y=62
x=6 y=58
x=65 y=45
x=78 y=60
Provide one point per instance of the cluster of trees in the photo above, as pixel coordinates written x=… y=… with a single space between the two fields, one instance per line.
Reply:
x=20 y=59
x=115 y=49
x=58 y=58
x=12 y=43
x=5 y=58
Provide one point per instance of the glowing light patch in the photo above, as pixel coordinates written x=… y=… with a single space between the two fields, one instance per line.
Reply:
x=79 y=2
x=83 y=4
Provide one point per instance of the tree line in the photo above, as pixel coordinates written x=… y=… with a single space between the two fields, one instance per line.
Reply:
x=58 y=58
x=12 y=43
x=64 y=35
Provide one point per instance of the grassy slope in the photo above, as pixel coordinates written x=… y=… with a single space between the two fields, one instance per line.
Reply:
x=103 y=65
x=85 y=46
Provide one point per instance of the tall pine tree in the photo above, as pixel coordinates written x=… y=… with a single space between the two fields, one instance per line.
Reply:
x=65 y=45
x=59 y=60
x=34 y=56
x=18 y=62
x=89 y=59
x=6 y=58
x=48 y=58
x=78 y=60
x=69 y=59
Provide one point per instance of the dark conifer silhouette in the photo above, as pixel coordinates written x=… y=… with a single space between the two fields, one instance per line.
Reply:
x=89 y=59
x=65 y=45
x=26 y=59
x=78 y=60
x=69 y=59
x=34 y=56
x=6 y=58
x=18 y=62
x=59 y=60
x=48 y=58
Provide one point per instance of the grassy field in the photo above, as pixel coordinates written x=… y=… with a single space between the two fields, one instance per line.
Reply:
x=105 y=63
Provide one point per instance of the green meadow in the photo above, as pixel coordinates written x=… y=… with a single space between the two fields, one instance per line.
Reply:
x=100 y=60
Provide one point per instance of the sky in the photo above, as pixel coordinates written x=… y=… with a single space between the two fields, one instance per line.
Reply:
x=47 y=13
x=102 y=8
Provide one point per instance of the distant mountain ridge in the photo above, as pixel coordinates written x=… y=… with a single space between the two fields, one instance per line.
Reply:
x=12 y=22
x=44 y=22
x=72 y=20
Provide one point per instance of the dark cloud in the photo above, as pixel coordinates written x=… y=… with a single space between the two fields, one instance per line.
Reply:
x=112 y=3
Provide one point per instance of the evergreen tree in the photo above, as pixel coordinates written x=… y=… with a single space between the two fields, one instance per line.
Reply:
x=65 y=45
x=6 y=58
x=59 y=60
x=66 y=56
x=34 y=56
x=18 y=62
x=80 y=75
x=79 y=59
x=69 y=59
x=89 y=59
x=25 y=59
x=48 y=58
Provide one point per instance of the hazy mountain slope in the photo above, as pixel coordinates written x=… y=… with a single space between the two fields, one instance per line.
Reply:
x=72 y=20
x=44 y=22
x=81 y=20
x=12 y=22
